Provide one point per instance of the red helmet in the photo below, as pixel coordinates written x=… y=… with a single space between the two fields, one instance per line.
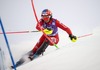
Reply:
x=46 y=12
x=46 y=15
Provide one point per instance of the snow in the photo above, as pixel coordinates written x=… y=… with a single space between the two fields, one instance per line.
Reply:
x=81 y=55
x=82 y=17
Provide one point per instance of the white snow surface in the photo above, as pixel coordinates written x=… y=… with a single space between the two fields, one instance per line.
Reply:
x=81 y=55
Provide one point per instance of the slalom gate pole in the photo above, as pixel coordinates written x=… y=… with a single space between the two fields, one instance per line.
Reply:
x=7 y=44
x=19 y=32
x=39 y=25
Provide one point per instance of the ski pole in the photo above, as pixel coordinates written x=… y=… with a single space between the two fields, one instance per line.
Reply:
x=74 y=40
x=40 y=26
x=19 y=32
x=85 y=35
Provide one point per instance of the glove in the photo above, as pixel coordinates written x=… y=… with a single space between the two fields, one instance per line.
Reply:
x=48 y=31
x=73 y=38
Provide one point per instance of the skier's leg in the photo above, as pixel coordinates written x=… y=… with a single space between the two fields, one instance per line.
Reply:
x=41 y=49
x=55 y=39
x=38 y=44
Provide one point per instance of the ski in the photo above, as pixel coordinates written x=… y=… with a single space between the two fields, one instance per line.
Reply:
x=24 y=60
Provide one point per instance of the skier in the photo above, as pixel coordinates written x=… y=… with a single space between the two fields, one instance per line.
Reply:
x=50 y=27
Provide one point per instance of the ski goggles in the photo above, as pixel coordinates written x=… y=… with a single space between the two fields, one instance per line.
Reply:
x=46 y=17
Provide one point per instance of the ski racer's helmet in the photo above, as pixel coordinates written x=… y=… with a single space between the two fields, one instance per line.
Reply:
x=46 y=15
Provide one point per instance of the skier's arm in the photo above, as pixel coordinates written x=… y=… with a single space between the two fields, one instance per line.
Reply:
x=63 y=27
x=46 y=31
x=39 y=25
x=67 y=29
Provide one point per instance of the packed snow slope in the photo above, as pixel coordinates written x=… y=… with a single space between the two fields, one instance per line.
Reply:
x=81 y=55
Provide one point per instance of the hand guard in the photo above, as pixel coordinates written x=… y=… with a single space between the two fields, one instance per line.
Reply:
x=73 y=38
x=48 y=31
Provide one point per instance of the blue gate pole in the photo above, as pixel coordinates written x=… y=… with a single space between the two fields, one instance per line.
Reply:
x=7 y=44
